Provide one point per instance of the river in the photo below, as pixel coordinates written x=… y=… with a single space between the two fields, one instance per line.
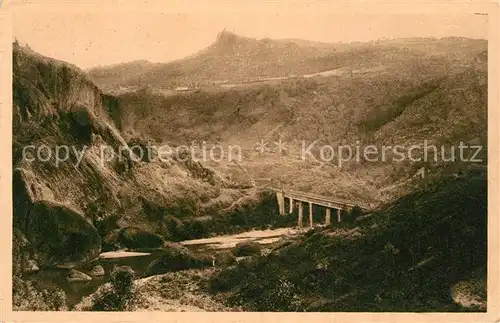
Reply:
x=139 y=261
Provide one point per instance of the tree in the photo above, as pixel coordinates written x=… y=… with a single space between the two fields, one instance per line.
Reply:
x=356 y=211
x=120 y=295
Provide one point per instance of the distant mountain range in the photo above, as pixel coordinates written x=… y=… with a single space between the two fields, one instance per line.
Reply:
x=234 y=59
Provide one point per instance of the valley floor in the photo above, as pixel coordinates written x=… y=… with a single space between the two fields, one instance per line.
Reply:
x=426 y=252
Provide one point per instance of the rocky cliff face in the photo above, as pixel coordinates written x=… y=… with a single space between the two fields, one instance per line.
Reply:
x=65 y=207
x=55 y=105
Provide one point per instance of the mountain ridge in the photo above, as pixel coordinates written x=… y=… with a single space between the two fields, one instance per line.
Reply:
x=398 y=103
x=233 y=58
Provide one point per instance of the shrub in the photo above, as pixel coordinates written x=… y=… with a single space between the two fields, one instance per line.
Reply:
x=286 y=220
x=26 y=297
x=122 y=278
x=105 y=224
x=350 y=216
x=133 y=237
x=247 y=248
x=356 y=211
x=194 y=229
x=283 y=296
x=225 y=280
x=120 y=295
x=175 y=230
x=224 y=259
x=111 y=240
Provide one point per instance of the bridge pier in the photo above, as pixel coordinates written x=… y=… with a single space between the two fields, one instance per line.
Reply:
x=311 y=215
x=300 y=198
x=301 y=213
x=328 y=214
x=280 y=196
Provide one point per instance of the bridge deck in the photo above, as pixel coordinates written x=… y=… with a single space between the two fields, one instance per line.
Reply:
x=319 y=199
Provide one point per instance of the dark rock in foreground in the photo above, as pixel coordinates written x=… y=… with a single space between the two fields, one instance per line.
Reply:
x=57 y=233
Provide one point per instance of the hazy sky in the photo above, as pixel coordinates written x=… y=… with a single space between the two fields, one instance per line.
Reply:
x=105 y=37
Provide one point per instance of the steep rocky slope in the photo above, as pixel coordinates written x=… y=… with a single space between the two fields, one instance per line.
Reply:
x=65 y=209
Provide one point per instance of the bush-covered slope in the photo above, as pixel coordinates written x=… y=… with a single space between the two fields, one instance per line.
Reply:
x=405 y=257
x=428 y=93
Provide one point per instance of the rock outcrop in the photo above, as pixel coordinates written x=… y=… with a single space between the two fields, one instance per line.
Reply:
x=75 y=178
x=470 y=294
x=57 y=233
x=97 y=271
x=76 y=276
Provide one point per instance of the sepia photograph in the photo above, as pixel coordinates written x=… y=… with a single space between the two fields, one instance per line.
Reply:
x=247 y=160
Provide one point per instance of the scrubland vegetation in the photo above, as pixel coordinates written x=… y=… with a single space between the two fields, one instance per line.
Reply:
x=421 y=248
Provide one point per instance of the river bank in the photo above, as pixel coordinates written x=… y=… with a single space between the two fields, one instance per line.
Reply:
x=139 y=260
x=376 y=264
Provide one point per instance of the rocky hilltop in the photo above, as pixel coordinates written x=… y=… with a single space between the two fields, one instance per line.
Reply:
x=233 y=58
